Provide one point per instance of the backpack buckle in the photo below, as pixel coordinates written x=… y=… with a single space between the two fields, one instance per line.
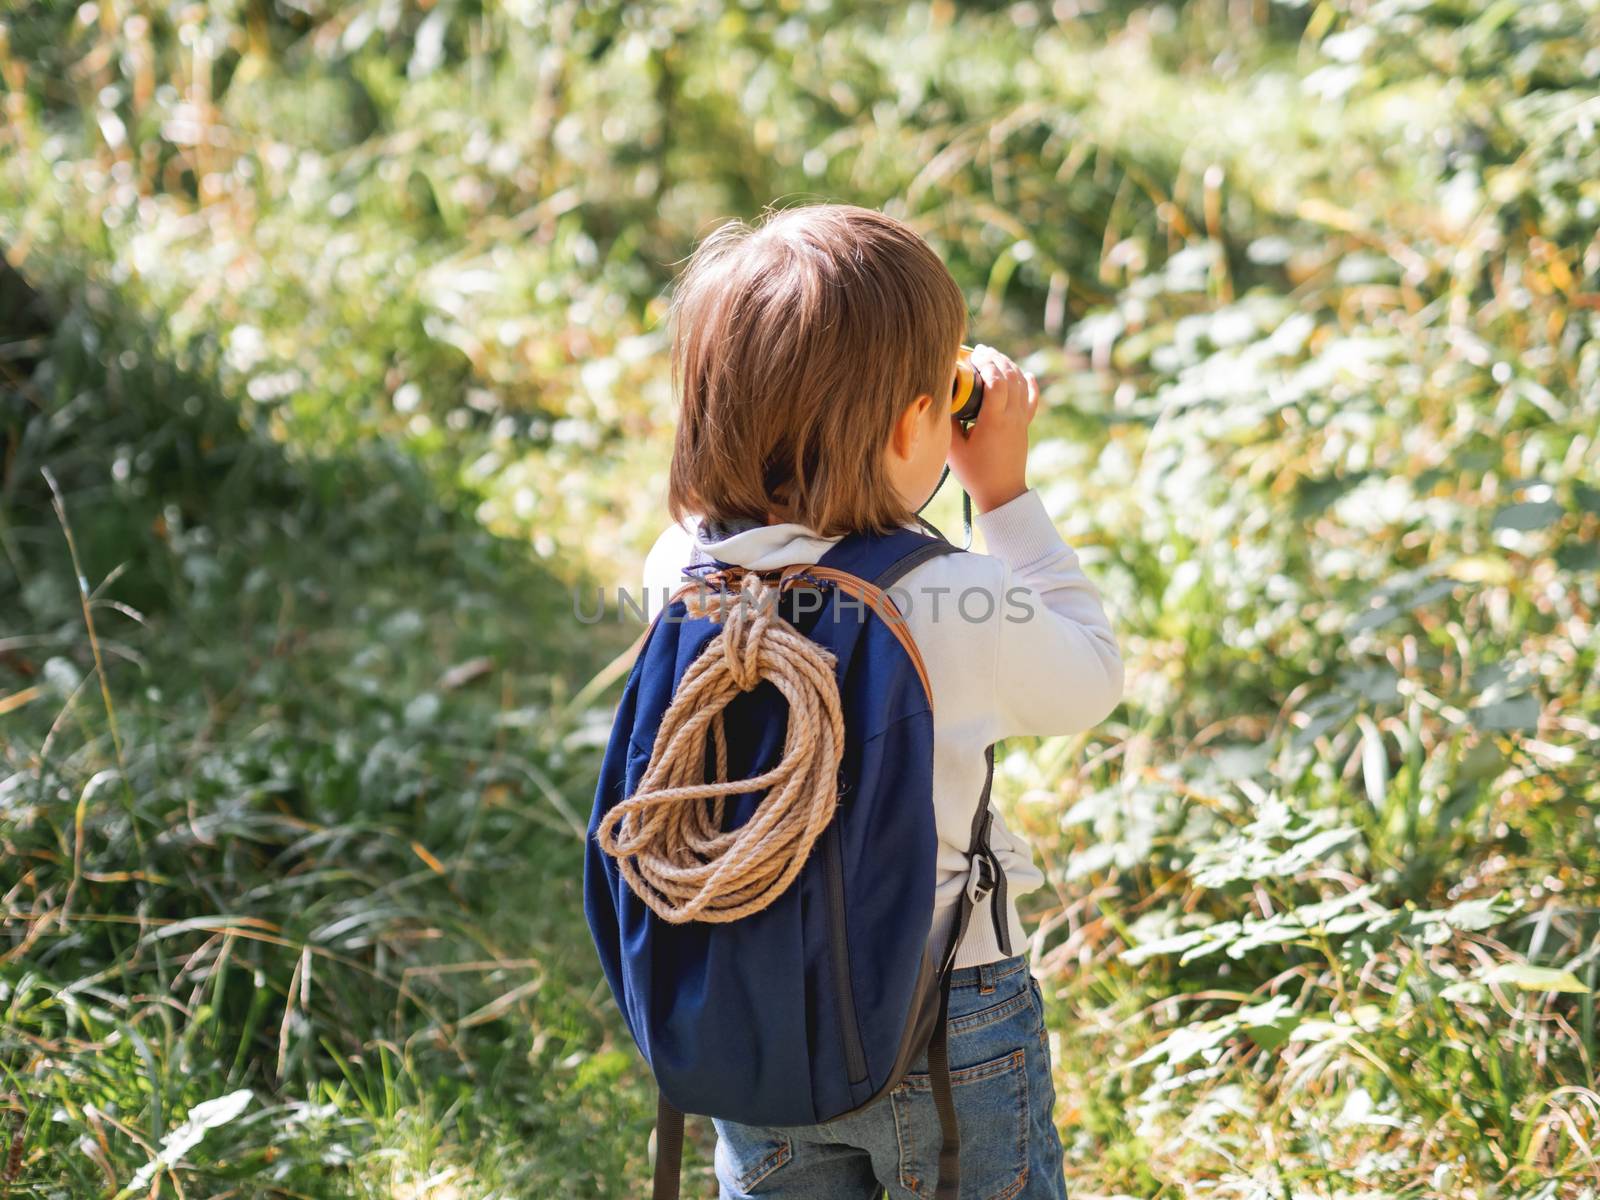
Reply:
x=981 y=878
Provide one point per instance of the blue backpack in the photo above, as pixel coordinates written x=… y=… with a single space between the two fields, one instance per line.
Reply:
x=818 y=1004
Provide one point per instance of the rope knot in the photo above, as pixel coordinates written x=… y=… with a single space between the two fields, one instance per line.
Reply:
x=745 y=615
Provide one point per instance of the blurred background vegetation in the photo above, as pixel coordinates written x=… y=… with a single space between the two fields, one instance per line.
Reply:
x=331 y=359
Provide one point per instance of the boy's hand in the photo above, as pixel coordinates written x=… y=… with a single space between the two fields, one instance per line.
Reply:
x=991 y=458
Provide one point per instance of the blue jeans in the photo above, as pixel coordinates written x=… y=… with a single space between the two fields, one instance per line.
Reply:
x=1000 y=1078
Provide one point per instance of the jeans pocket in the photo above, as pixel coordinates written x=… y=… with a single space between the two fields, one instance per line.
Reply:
x=991 y=1100
x=747 y=1154
x=1008 y=1009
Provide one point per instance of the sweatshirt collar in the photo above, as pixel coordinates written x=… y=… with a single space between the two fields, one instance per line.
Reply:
x=745 y=543
x=760 y=547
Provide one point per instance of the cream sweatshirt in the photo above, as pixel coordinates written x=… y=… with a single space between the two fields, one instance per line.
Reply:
x=1015 y=642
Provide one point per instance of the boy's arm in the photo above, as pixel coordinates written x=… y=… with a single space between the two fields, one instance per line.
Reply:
x=663 y=567
x=1057 y=666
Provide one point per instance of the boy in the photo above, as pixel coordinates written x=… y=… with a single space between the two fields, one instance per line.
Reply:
x=816 y=357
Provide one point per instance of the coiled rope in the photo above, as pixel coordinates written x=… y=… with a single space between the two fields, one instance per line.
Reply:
x=667 y=837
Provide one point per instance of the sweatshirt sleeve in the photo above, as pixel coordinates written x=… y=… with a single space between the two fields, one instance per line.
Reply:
x=1057 y=665
x=663 y=567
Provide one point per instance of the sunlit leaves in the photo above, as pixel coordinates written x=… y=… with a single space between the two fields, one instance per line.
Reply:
x=1530 y=978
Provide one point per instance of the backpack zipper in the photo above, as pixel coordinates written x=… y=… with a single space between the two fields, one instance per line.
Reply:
x=844 y=1001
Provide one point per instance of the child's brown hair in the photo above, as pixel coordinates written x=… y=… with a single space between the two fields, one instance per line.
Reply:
x=797 y=343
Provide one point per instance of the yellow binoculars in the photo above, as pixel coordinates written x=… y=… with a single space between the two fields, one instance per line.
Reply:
x=967 y=396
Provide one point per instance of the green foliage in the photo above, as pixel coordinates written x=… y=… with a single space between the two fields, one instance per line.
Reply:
x=336 y=765
x=349 y=307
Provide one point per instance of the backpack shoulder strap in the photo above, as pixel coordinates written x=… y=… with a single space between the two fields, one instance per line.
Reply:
x=866 y=565
x=669 y=1150
x=881 y=559
x=986 y=877
x=929 y=549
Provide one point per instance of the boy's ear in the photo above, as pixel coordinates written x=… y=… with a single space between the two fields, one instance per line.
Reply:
x=908 y=426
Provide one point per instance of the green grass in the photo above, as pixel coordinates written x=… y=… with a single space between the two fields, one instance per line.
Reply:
x=301 y=816
x=350 y=365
